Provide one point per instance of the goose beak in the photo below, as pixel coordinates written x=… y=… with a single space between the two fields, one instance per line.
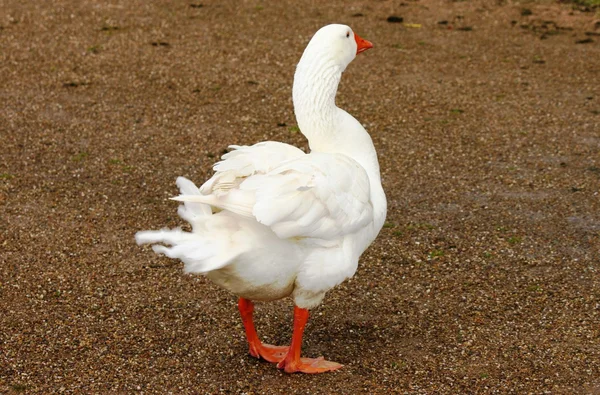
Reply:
x=362 y=44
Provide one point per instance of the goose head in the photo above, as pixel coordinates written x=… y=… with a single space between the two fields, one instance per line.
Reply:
x=316 y=80
x=335 y=44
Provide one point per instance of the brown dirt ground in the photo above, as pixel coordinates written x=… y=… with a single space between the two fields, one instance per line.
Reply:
x=484 y=280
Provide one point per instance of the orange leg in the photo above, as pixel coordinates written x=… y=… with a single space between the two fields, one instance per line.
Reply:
x=257 y=349
x=292 y=361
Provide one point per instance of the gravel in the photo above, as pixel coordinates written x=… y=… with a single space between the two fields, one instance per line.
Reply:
x=484 y=279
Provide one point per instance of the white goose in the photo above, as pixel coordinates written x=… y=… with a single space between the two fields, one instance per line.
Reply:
x=274 y=221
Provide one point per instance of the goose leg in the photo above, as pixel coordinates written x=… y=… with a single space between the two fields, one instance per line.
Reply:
x=257 y=349
x=292 y=361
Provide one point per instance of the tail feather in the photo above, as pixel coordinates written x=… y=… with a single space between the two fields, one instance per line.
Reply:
x=199 y=252
x=197 y=258
x=239 y=202
x=192 y=211
x=204 y=249
x=168 y=236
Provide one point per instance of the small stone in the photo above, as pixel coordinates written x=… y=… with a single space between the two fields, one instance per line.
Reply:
x=526 y=12
x=395 y=19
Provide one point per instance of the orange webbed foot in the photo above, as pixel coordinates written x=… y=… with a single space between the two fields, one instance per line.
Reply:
x=308 y=365
x=268 y=352
x=292 y=362
x=287 y=358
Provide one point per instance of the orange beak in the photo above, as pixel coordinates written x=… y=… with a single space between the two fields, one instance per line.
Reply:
x=362 y=44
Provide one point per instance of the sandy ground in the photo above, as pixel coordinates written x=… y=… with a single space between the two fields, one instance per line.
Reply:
x=486 y=117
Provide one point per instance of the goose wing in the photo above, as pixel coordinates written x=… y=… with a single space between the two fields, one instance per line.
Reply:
x=318 y=195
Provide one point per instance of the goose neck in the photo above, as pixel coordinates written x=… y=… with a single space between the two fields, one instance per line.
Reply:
x=314 y=91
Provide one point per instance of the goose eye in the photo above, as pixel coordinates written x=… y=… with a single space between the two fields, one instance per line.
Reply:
x=347 y=34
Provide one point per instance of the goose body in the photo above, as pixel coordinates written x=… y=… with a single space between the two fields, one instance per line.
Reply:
x=274 y=221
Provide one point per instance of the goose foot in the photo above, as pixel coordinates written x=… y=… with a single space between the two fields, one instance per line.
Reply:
x=292 y=362
x=256 y=348
x=308 y=365
x=268 y=352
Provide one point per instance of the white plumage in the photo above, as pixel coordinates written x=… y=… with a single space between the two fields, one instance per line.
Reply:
x=274 y=221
